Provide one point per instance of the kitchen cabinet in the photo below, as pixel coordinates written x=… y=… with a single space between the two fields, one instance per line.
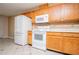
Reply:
x=31 y=15
x=64 y=13
x=71 y=12
x=28 y=14
x=54 y=14
x=58 y=13
x=41 y=10
x=54 y=43
x=71 y=45
x=65 y=42
x=30 y=37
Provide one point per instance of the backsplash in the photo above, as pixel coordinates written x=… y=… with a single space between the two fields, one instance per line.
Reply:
x=65 y=28
x=60 y=27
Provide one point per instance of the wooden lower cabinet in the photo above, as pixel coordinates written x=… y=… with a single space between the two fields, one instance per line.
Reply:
x=70 y=45
x=30 y=37
x=54 y=43
x=63 y=43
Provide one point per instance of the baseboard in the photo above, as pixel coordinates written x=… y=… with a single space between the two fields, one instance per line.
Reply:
x=10 y=37
x=4 y=37
x=59 y=52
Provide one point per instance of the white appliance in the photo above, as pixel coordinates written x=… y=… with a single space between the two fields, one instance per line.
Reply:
x=21 y=27
x=42 y=18
x=39 y=39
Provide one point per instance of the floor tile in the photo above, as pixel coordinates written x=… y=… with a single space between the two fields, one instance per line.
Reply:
x=8 y=47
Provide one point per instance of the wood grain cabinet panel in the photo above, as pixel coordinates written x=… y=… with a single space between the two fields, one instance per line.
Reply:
x=71 y=12
x=41 y=11
x=64 y=13
x=31 y=15
x=54 y=42
x=65 y=42
x=30 y=37
x=28 y=14
x=53 y=14
x=60 y=13
x=54 y=34
x=71 y=45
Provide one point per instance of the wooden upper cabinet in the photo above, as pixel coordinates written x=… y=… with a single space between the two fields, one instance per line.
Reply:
x=54 y=14
x=71 y=12
x=58 y=13
x=64 y=13
x=41 y=10
x=31 y=15
x=28 y=14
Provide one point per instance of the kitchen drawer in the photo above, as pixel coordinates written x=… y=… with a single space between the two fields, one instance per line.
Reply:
x=71 y=34
x=54 y=33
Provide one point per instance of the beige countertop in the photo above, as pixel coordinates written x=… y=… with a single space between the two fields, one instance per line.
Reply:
x=61 y=30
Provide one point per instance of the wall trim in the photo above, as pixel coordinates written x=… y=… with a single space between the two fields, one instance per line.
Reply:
x=10 y=37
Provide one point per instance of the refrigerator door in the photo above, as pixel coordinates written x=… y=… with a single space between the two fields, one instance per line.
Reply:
x=22 y=25
x=20 y=39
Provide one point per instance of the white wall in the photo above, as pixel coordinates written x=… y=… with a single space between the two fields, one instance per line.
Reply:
x=11 y=27
x=3 y=27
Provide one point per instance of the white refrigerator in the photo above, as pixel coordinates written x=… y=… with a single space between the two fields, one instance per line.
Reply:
x=22 y=25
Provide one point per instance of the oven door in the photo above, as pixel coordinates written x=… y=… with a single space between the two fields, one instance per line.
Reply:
x=39 y=40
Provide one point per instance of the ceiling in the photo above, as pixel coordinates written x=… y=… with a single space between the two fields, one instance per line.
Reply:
x=10 y=9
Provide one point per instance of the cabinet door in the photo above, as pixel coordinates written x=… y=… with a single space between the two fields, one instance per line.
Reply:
x=71 y=45
x=71 y=12
x=41 y=11
x=64 y=13
x=55 y=14
x=54 y=43
x=28 y=14
x=30 y=38
x=32 y=14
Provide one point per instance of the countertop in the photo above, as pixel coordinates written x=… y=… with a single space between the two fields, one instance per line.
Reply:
x=60 y=30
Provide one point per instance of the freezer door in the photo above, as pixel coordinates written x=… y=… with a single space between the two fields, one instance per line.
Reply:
x=20 y=39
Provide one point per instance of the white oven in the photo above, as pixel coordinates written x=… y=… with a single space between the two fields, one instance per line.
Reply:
x=39 y=39
x=41 y=18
